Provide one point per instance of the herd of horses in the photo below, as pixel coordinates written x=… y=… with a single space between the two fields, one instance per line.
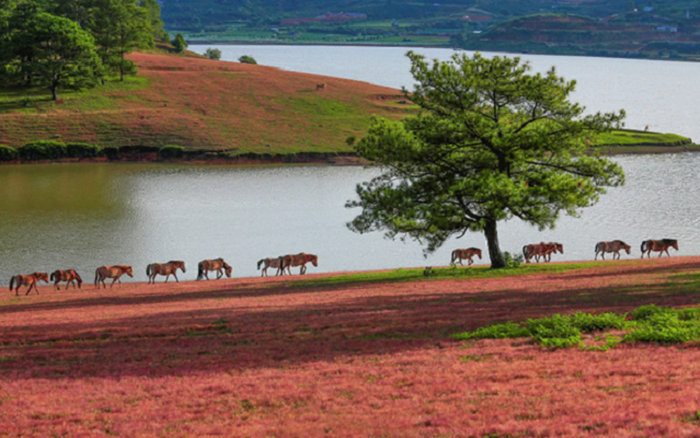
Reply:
x=545 y=250
x=70 y=276
x=536 y=251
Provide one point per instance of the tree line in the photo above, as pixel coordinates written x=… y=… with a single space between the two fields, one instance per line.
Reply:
x=74 y=44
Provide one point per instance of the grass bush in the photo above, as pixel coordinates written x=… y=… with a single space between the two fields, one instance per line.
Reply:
x=8 y=153
x=82 y=150
x=648 y=324
x=171 y=151
x=43 y=150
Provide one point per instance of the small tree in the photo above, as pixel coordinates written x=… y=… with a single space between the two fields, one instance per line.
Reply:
x=492 y=142
x=245 y=59
x=214 y=54
x=179 y=43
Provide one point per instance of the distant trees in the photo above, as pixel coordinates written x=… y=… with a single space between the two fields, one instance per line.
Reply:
x=73 y=43
x=214 y=54
x=179 y=43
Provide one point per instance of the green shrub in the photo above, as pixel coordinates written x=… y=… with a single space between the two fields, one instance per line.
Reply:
x=171 y=151
x=82 y=150
x=43 y=150
x=513 y=262
x=246 y=59
x=498 y=331
x=589 y=323
x=8 y=153
x=214 y=54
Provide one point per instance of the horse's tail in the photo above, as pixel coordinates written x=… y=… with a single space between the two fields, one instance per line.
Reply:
x=454 y=256
x=644 y=246
x=12 y=281
x=78 y=279
x=97 y=274
x=597 y=247
x=260 y=263
x=148 y=270
x=525 y=251
x=200 y=271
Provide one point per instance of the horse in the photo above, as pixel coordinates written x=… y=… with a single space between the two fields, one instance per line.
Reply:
x=270 y=262
x=166 y=269
x=614 y=246
x=321 y=86
x=659 y=246
x=28 y=280
x=291 y=260
x=213 y=265
x=114 y=272
x=545 y=250
x=461 y=254
x=69 y=276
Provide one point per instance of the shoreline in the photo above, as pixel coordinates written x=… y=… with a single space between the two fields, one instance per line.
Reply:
x=314 y=158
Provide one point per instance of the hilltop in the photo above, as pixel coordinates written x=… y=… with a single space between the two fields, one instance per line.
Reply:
x=204 y=105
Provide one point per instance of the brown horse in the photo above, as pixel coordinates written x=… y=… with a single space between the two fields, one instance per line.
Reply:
x=166 y=269
x=614 y=246
x=542 y=249
x=270 y=262
x=69 y=276
x=114 y=272
x=217 y=265
x=321 y=86
x=28 y=280
x=659 y=246
x=291 y=260
x=461 y=254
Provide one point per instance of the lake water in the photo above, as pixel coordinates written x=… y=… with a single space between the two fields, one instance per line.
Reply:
x=86 y=215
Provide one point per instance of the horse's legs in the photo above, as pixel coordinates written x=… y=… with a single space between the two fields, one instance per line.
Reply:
x=174 y=275
x=30 y=288
x=302 y=270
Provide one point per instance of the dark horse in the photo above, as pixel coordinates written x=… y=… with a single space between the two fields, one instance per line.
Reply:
x=115 y=272
x=291 y=260
x=659 y=246
x=270 y=262
x=461 y=254
x=166 y=269
x=69 y=276
x=218 y=265
x=28 y=280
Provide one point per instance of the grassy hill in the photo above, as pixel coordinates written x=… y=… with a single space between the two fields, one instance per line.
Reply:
x=203 y=105
x=229 y=109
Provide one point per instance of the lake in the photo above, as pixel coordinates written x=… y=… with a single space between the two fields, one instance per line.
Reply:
x=57 y=216
x=86 y=215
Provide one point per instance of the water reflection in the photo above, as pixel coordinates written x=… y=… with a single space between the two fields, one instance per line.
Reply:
x=86 y=215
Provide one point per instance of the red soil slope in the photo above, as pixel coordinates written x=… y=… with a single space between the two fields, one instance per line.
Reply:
x=213 y=105
x=268 y=357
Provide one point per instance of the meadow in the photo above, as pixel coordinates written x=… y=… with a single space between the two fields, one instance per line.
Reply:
x=371 y=354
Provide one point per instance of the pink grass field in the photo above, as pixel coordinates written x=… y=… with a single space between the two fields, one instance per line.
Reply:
x=253 y=357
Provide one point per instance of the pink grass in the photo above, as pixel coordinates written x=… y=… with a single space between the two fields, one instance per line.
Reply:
x=258 y=357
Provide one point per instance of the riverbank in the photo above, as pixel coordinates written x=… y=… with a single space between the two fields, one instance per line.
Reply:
x=318 y=355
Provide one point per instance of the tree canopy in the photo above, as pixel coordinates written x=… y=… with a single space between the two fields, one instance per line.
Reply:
x=491 y=142
x=37 y=37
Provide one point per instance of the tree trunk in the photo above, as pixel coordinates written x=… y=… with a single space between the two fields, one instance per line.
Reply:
x=491 y=232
